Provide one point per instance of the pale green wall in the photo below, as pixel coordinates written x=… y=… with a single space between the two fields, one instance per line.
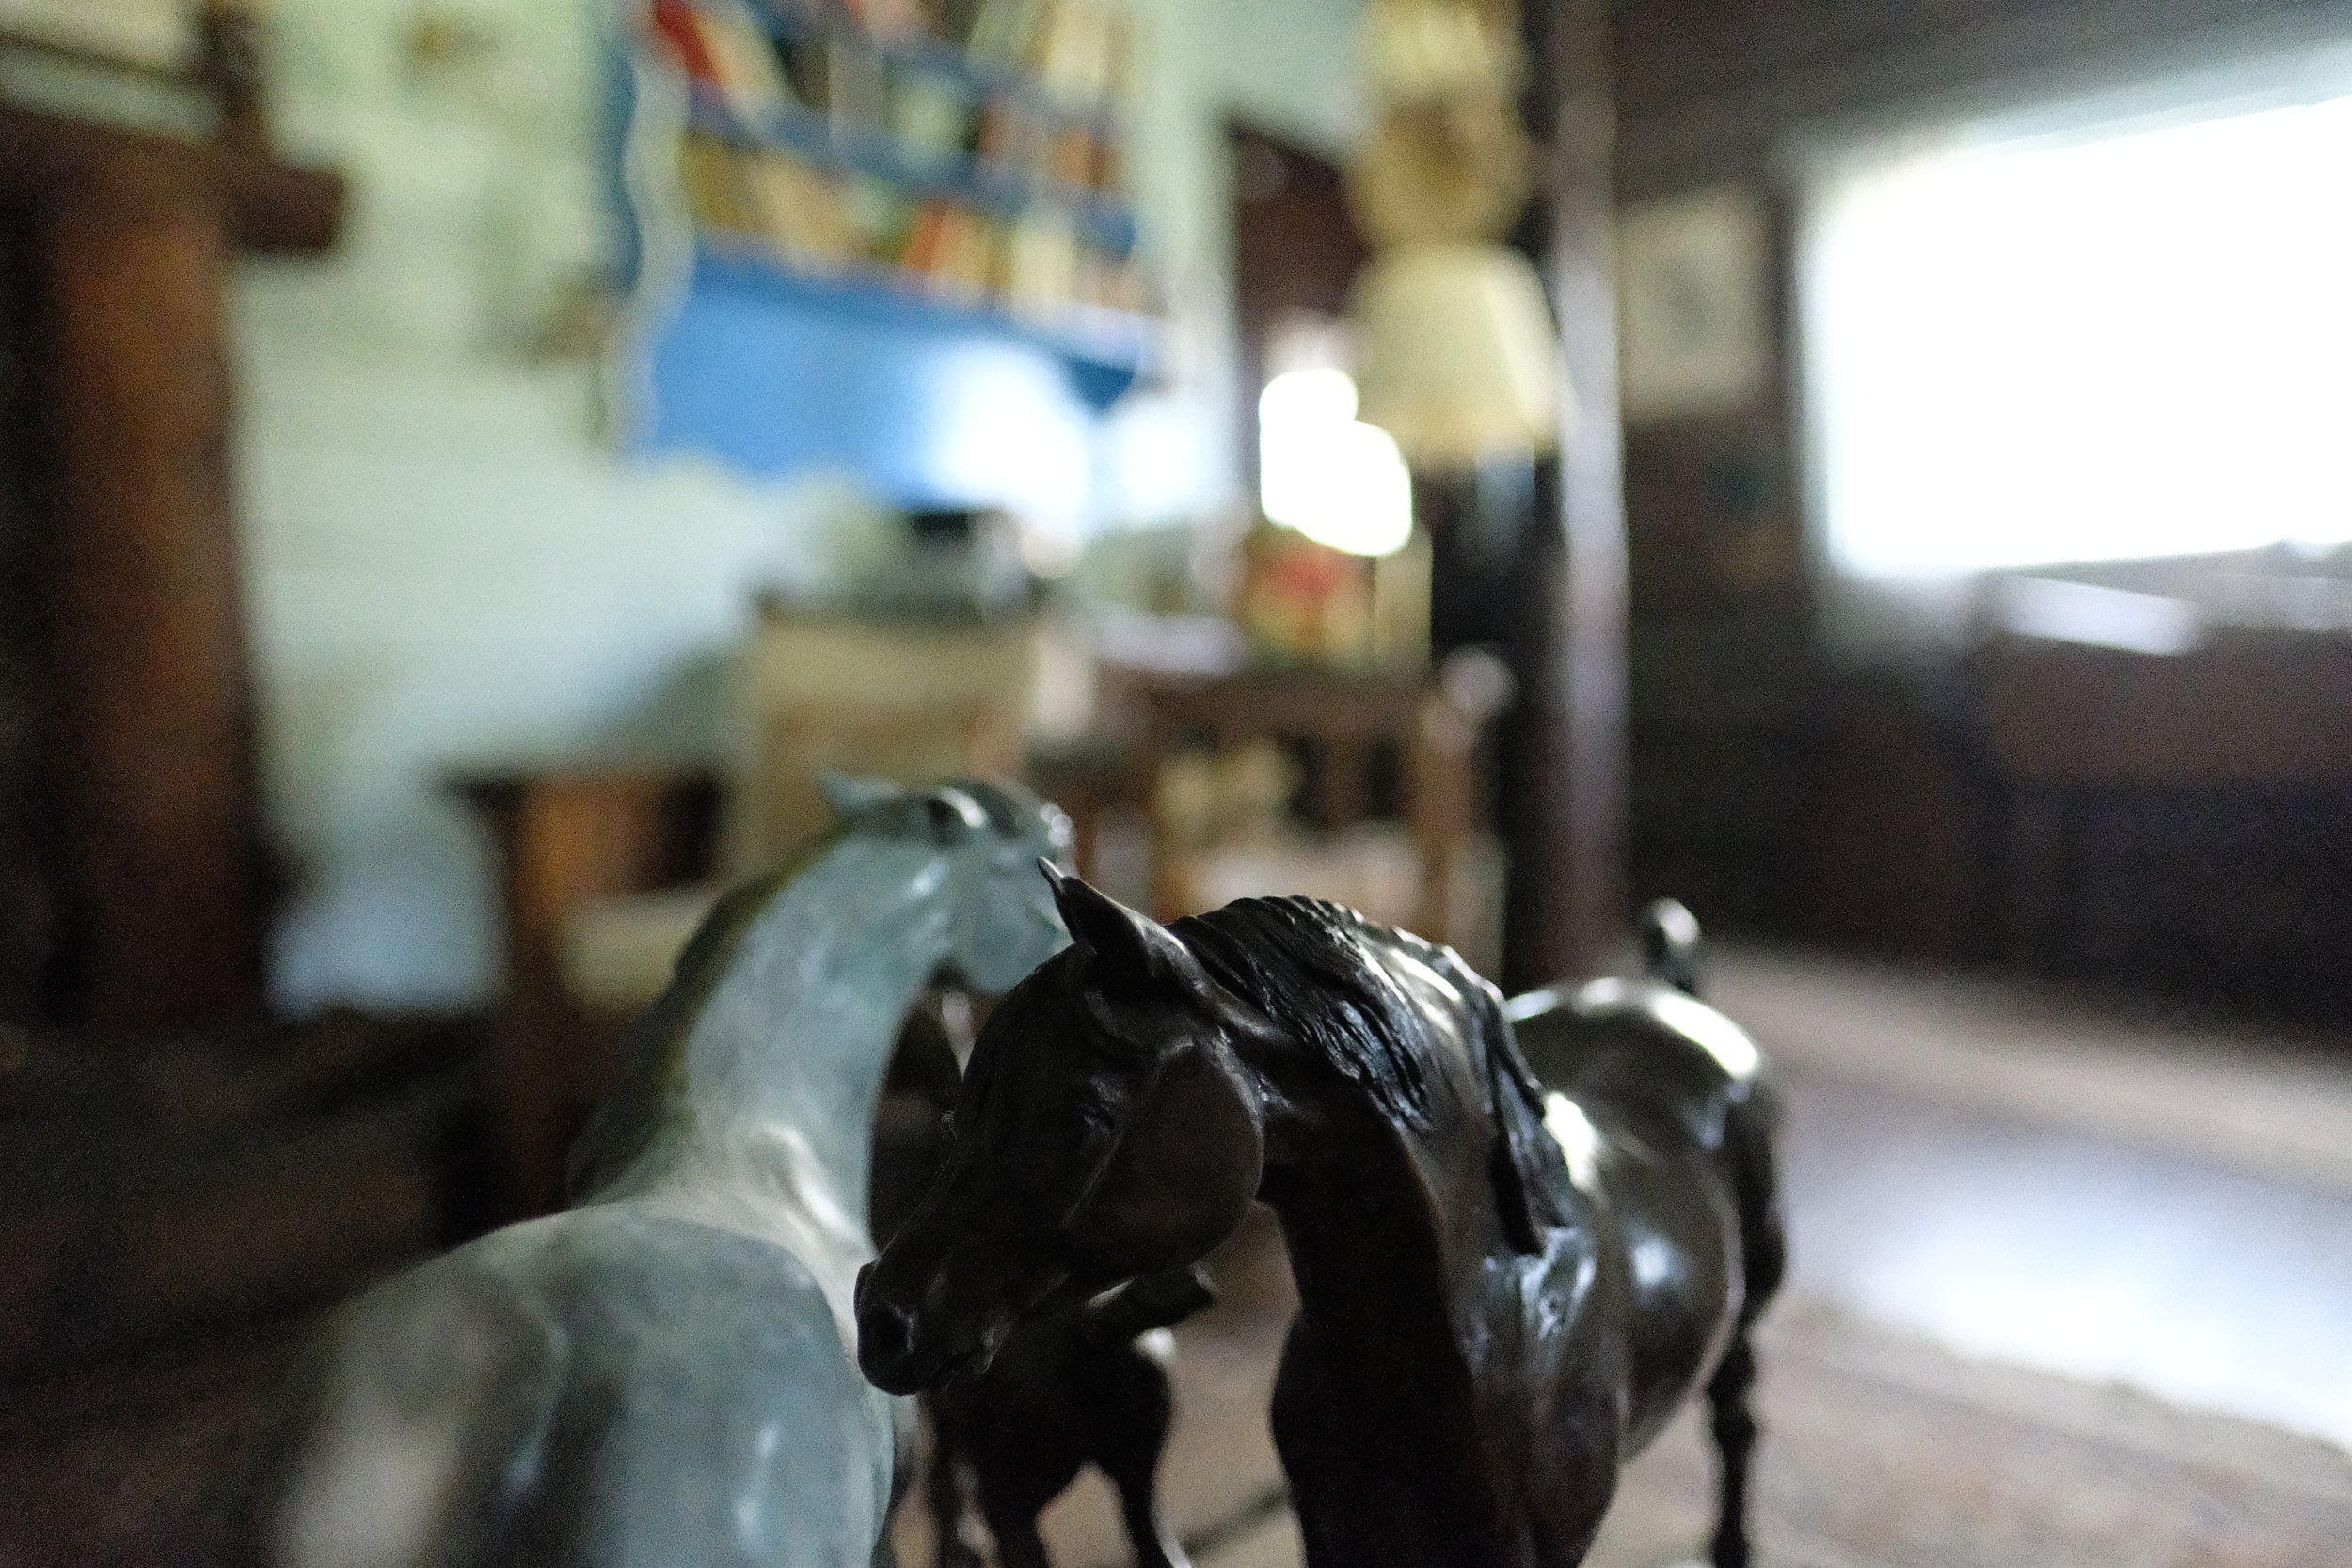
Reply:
x=446 y=568
x=1287 y=66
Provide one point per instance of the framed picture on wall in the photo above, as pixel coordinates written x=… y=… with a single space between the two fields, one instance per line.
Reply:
x=1694 y=323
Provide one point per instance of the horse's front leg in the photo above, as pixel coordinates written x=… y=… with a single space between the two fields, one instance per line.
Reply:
x=1340 y=1513
x=1129 y=1408
x=942 y=1489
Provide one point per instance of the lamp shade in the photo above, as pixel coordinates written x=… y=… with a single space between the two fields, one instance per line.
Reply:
x=1457 y=358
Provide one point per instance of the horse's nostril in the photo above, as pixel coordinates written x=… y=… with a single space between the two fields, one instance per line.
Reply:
x=885 y=1333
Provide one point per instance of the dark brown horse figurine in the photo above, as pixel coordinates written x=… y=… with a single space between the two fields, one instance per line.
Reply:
x=1080 y=1383
x=1504 y=1292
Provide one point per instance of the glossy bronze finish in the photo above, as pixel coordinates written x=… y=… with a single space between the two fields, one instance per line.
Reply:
x=1675 y=1091
x=1076 y=1384
x=1080 y=1383
x=1505 y=1289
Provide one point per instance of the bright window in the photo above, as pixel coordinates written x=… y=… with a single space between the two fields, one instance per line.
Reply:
x=2137 y=344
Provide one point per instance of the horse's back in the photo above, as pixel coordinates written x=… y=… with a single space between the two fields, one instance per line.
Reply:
x=1639 y=1050
x=1647 y=1060
x=604 y=1388
x=1682 y=1118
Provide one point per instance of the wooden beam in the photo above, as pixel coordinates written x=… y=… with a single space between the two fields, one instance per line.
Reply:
x=156 y=801
x=1567 y=776
x=144 y=731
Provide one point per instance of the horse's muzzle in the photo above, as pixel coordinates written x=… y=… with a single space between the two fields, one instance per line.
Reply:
x=889 y=1346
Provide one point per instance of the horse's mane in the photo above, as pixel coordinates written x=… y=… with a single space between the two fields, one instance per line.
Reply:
x=1276 y=953
x=653 y=1049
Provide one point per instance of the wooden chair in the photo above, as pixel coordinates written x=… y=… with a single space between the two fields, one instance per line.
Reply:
x=1387 y=818
x=606 y=870
x=906 y=701
x=562 y=838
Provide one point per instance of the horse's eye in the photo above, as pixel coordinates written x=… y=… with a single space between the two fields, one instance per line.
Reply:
x=1096 y=1120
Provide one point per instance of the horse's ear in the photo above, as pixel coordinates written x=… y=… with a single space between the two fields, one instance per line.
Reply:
x=1130 y=948
x=851 y=797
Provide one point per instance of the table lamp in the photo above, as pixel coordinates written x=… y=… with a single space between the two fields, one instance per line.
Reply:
x=1457 y=355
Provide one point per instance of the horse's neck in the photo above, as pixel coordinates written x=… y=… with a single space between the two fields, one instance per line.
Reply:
x=781 y=1066
x=1384 y=1222
x=1385 y=1261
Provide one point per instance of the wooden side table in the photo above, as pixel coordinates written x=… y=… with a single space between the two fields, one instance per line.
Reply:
x=1348 y=723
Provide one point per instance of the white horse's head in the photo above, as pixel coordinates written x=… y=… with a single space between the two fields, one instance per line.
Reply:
x=1003 y=922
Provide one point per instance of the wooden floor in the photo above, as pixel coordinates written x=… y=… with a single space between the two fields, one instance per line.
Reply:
x=2030 y=1179
x=2033 y=1178
x=2078 y=1184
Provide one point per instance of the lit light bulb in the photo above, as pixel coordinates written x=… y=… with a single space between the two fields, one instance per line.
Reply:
x=1321 y=470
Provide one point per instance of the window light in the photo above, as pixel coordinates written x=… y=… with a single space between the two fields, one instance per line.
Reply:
x=2134 y=345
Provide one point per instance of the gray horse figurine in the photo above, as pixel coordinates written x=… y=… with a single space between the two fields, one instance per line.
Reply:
x=663 y=1375
x=1504 y=1288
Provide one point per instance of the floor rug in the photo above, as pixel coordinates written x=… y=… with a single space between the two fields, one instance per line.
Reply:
x=1881 y=1451
x=1885 y=1451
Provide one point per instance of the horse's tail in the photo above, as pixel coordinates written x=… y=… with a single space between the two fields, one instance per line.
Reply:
x=1670 y=952
x=1670 y=945
x=1670 y=955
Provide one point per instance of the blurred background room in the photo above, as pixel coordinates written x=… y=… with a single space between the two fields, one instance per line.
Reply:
x=1878 y=474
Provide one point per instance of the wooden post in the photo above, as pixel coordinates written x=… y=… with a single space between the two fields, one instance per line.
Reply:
x=144 y=734
x=156 y=802
x=27 y=904
x=1568 y=774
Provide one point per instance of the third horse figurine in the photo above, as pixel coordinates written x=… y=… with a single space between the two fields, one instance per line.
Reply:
x=1082 y=1382
x=1506 y=1286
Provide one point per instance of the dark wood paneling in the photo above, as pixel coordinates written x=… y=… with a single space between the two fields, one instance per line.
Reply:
x=1295 y=249
x=1892 y=822
x=1710 y=84
x=561 y=839
x=26 y=904
x=2273 y=710
x=1722 y=647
